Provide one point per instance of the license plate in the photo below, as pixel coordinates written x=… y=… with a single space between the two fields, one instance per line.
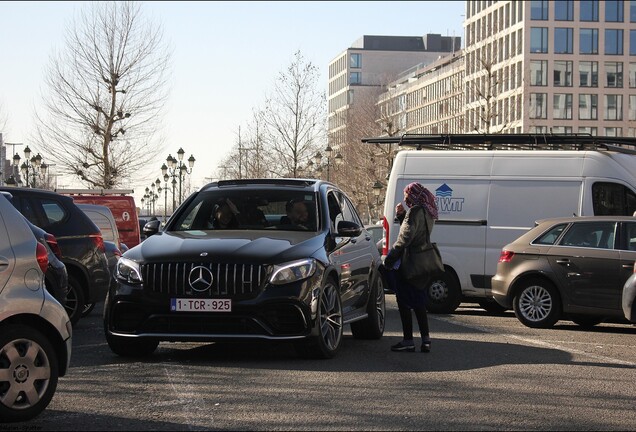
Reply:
x=200 y=305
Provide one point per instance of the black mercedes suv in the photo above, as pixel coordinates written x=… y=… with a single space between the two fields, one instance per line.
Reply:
x=256 y=274
x=79 y=239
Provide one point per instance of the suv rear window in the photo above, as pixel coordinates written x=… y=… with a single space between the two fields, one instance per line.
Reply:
x=53 y=211
x=590 y=234
x=551 y=236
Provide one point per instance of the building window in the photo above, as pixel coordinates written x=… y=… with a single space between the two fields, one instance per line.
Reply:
x=539 y=10
x=355 y=78
x=563 y=73
x=588 y=107
x=614 y=10
x=350 y=97
x=614 y=41
x=564 y=10
x=613 y=131
x=632 y=107
x=588 y=41
x=538 y=106
x=539 y=40
x=613 y=107
x=614 y=74
x=538 y=129
x=538 y=72
x=561 y=129
x=356 y=60
x=632 y=75
x=563 y=40
x=588 y=74
x=562 y=106
x=632 y=42
x=589 y=10
x=588 y=130
x=632 y=11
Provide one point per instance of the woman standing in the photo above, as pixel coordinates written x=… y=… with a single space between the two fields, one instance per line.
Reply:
x=419 y=218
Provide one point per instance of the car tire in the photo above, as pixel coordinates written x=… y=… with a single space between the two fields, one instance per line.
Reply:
x=372 y=327
x=443 y=294
x=330 y=328
x=74 y=300
x=131 y=347
x=88 y=308
x=586 y=321
x=492 y=307
x=537 y=304
x=30 y=372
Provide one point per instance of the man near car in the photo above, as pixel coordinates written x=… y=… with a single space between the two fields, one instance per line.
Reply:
x=297 y=213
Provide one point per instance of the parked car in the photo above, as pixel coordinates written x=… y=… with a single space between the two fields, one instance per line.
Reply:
x=263 y=279
x=35 y=331
x=79 y=239
x=629 y=293
x=56 y=277
x=573 y=268
x=377 y=232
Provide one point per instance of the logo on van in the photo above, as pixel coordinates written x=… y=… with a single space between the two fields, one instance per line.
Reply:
x=445 y=201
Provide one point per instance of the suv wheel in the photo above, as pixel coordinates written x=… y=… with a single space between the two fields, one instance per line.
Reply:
x=443 y=294
x=28 y=372
x=537 y=304
x=74 y=300
x=326 y=344
x=131 y=347
x=88 y=308
x=373 y=326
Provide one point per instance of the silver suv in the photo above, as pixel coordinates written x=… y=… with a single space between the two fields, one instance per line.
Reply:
x=35 y=331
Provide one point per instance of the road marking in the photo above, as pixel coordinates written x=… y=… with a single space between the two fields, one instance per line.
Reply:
x=537 y=342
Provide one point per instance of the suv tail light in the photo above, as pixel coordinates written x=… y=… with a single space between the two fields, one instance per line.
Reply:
x=99 y=241
x=52 y=242
x=42 y=257
x=506 y=256
x=385 y=243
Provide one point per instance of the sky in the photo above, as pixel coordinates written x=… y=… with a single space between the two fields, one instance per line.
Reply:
x=226 y=57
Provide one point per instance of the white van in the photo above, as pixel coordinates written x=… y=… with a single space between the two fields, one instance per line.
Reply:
x=488 y=198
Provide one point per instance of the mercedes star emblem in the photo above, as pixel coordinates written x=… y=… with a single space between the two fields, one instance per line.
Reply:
x=200 y=278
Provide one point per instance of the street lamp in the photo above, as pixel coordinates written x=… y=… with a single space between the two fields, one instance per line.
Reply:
x=33 y=167
x=329 y=153
x=177 y=168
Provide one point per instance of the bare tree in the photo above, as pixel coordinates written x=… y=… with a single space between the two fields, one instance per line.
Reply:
x=294 y=117
x=106 y=90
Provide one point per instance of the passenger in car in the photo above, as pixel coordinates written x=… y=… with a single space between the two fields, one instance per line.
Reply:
x=297 y=214
x=225 y=215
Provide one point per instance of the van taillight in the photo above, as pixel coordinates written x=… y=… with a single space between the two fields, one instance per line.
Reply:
x=385 y=244
x=99 y=242
x=506 y=256
x=42 y=257
x=52 y=242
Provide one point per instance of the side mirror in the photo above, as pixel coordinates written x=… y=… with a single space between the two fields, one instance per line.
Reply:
x=152 y=227
x=349 y=229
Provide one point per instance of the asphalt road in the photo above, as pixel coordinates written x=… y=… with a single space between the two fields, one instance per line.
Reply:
x=485 y=372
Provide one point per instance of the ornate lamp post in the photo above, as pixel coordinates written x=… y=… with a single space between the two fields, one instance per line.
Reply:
x=176 y=168
x=32 y=168
x=329 y=153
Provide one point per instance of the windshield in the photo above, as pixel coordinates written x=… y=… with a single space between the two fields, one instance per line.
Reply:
x=260 y=209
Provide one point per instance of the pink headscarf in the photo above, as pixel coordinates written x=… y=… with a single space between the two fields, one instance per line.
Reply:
x=416 y=194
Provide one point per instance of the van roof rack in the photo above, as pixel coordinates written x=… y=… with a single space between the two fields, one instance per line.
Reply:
x=95 y=191
x=509 y=142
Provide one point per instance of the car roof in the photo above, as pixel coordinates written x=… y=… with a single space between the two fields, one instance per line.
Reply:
x=312 y=184
x=587 y=219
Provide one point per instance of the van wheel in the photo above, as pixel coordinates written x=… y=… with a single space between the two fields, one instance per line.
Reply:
x=74 y=300
x=28 y=372
x=537 y=304
x=373 y=326
x=443 y=294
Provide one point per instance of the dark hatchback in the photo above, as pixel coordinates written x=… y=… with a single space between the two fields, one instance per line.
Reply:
x=263 y=279
x=79 y=240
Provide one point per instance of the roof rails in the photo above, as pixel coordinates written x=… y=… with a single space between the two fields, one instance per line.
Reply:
x=265 y=181
x=95 y=191
x=510 y=142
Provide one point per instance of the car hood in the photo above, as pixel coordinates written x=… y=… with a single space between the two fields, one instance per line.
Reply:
x=258 y=247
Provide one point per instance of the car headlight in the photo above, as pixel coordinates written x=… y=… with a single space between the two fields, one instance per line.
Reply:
x=292 y=271
x=129 y=271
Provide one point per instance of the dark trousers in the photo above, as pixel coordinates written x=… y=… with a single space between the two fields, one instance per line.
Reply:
x=409 y=298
